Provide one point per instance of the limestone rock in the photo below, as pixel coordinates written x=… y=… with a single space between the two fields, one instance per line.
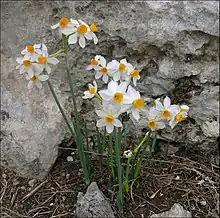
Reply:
x=93 y=203
x=176 y=43
x=176 y=211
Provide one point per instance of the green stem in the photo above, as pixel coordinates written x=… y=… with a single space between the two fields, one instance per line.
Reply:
x=127 y=175
x=117 y=139
x=141 y=143
x=99 y=97
x=61 y=109
x=57 y=53
x=76 y=122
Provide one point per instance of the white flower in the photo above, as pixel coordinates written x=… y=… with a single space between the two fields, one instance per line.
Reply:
x=154 y=119
x=93 y=29
x=103 y=71
x=180 y=115
x=36 y=80
x=137 y=102
x=65 y=26
x=91 y=92
x=94 y=63
x=120 y=70
x=184 y=108
x=44 y=60
x=32 y=52
x=109 y=118
x=116 y=93
x=127 y=154
x=27 y=66
x=134 y=75
x=82 y=31
x=166 y=108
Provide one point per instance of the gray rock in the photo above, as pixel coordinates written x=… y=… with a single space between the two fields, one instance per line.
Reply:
x=176 y=42
x=176 y=211
x=93 y=203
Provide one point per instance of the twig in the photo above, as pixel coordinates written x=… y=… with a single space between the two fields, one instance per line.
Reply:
x=33 y=191
x=14 y=197
x=62 y=215
x=4 y=190
x=11 y=211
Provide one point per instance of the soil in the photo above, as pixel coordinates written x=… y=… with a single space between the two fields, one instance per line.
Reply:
x=187 y=178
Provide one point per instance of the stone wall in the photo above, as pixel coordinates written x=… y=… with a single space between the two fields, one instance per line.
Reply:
x=176 y=42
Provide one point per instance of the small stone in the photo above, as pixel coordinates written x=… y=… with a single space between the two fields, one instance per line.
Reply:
x=67 y=176
x=69 y=159
x=32 y=182
x=203 y=203
x=16 y=182
x=51 y=204
x=176 y=211
x=93 y=203
x=177 y=178
x=4 y=175
x=72 y=153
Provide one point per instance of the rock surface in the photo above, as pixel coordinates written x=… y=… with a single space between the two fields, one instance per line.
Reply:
x=93 y=204
x=176 y=211
x=176 y=42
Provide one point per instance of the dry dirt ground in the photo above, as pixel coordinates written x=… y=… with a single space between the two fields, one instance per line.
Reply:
x=187 y=178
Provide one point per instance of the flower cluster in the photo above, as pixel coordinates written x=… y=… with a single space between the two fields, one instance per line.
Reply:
x=120 y=97
x=77 y=30
x=118 y=71
x=35 y=59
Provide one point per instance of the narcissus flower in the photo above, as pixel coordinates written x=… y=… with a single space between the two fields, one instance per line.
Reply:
x=65 y=26
x=91 y=92
x=36 y=79
x=103 y=71
x=166 y=108
x=94 y=63
x=82 y=31
x=134 y=75
x=31 y=52
x=27 y=66
x=93 y=29
x=109 y=118
x=116 y=93
x=137 y=102
x=120 y=69
x=44 y=60
x=154 y=120
x=127 y=154
x=180 y=115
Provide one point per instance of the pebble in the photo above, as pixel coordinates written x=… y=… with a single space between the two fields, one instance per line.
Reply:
x=69 y=159
x=32 y=182
x=4 y=175
x=203 y=203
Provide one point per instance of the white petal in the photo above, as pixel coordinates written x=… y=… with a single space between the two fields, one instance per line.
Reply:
x=82 y=41
x=160 y=125
x=172 y=123
x=102 y=61
x=55 y=26
x=53 y=60
x=109 y=128
x=159 y=105
x=101 y=113
x=100 y=123
x=135 y=114
x=123 y=61
x=105 y=94
x=23 y=52
x=112 y=86
x=117 y=123
x=19 y=60
x=30 y=72
x=37 y=45
x=48 y=68
x=30 y=84
x=95 y=39
x=75 y=22
x=89 y=67
x=98 y=75
x=68 y=30
x=72 y=39
x=116 y=76
x=43 y=77
x=166 y=102
x=39 y=52
x=122 y=87
x=105 y=78
x=127 y=99
x=38 y=84
x=88 y=35
x=95 y=85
